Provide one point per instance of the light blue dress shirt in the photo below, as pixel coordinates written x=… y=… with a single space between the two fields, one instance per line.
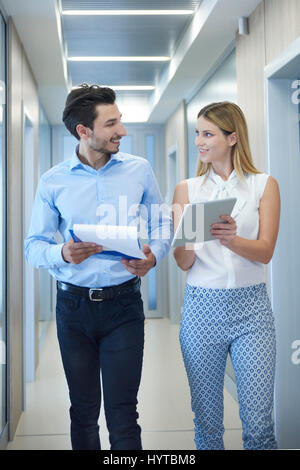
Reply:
x=123 y=192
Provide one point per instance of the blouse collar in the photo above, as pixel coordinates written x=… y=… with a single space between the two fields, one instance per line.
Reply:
x=225 y=189
x=218 y=180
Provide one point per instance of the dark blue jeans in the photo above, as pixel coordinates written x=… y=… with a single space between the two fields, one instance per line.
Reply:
x=106 y=336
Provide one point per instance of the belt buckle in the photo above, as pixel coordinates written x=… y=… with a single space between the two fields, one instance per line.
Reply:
x=91 y=293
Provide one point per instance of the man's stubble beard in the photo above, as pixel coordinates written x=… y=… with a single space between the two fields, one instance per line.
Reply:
x=102 y=150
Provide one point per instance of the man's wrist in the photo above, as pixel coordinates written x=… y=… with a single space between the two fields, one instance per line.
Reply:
x=156 y=252
x=62 y=254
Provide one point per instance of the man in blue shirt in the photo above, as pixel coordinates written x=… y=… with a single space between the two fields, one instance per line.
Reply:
x=100 y=318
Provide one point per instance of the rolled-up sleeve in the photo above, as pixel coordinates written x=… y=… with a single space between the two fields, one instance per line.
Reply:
x=41 y=249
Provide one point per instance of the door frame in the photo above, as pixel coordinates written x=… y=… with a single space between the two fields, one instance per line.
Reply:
x=282 y=143
x=28 y=193
x=175 y=296
x=5 y=347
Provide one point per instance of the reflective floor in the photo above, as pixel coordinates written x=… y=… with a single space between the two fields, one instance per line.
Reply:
x=164 y=400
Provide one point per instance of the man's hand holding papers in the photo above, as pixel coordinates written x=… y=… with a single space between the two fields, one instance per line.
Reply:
x=140 y=267
x=77 y=252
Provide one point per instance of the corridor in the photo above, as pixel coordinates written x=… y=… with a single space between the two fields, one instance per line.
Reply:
x=164 y=401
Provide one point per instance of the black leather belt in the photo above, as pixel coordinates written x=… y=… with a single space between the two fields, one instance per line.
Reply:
x=103 y=293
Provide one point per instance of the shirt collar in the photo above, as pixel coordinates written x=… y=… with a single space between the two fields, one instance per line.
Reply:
x=75 y=162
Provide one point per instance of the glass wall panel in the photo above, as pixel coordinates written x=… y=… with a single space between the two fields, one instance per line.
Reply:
x=3 y=368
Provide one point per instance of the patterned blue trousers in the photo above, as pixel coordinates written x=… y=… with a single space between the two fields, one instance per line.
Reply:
x=238 y=321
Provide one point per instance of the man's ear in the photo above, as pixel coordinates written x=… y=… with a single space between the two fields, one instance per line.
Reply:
x=83 y=131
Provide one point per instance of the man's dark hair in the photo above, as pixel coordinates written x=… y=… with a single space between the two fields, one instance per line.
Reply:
x=80 y=107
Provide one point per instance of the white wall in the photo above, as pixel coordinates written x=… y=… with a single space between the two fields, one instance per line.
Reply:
x=22 y=88
x=272 y=27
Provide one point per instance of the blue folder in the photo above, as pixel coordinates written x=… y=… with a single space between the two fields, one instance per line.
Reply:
x=111 y=255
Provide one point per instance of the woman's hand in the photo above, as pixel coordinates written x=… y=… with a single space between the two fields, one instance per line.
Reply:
x=226 y=231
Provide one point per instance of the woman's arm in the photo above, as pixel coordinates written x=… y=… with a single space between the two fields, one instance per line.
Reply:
x=184 y=258
x=262 y=249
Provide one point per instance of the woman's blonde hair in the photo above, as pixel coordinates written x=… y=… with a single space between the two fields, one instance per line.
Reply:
x=230 y=118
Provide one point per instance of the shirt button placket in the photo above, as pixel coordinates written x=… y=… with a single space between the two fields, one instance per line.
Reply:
x=98 y=188
x=99 y=183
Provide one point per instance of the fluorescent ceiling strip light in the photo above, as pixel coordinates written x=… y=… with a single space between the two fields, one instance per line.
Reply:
x=126 y=12
x=118 y=59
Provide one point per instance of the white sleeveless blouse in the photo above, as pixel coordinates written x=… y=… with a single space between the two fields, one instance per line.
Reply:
x=216 y=266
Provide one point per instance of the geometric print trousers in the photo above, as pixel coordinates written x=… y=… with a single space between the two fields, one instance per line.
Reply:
x=240 y=322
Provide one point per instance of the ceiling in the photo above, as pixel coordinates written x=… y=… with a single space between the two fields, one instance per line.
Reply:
x=132 y=35
x=194 y=43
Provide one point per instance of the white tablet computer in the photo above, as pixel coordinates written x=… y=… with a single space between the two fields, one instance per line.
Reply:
x=196 y=219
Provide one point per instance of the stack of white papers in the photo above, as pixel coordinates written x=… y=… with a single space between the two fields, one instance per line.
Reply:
x=118 y=241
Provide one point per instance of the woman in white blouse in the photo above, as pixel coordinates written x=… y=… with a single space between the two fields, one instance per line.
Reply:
x=226 y=304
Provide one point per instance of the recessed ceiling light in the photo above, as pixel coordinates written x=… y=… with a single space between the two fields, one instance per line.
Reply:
x=118 y=59
x=127 y=12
